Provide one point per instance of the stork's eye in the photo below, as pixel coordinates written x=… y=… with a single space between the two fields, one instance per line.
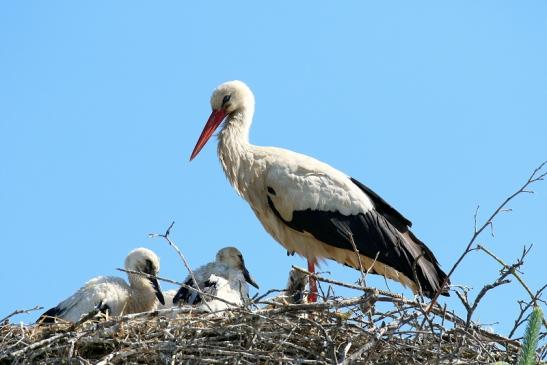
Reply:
x=226 y=99
x=149 y=267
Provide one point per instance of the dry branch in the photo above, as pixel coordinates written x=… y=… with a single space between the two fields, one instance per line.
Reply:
x=20 y=311
x=536 y=175
x=167 y=238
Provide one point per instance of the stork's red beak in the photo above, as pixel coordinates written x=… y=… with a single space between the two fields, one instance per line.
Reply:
x=216 y=117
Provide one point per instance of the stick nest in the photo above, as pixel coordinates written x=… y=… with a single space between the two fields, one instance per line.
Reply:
x=372 y=329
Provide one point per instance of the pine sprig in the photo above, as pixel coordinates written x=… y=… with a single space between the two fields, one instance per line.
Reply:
x=527 y=354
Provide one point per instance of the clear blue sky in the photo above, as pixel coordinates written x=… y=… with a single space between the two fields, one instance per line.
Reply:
x=437 y=106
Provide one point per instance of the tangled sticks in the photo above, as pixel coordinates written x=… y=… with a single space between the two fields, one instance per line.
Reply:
x=375 y=328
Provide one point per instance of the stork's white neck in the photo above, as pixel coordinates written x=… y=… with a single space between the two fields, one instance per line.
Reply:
x=142 y=296
x=234 y=149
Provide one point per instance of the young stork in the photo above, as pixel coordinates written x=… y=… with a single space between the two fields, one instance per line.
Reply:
x=168 y=297
x=226 y=278
x=294 y=292
x=112 y=294
x=311 y=208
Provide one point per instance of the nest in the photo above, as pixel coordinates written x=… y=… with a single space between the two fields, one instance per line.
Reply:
x=371 y=329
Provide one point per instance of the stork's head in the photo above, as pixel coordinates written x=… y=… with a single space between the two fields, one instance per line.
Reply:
x=228 y=98
x=296 y=287
x=231 y=257
x=145 y=261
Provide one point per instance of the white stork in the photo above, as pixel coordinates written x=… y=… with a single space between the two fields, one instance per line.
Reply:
x=310 y=207
x=294 y=292
x=226 y=277
x=168 y=297
x=112 y=294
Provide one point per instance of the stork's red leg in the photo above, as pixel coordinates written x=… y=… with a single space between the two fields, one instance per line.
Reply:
x=312 y=296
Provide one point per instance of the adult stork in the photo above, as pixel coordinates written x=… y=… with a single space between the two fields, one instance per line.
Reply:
x=310 y=207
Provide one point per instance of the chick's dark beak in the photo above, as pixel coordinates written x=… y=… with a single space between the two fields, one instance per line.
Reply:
x=248 y=277
x=157 y=290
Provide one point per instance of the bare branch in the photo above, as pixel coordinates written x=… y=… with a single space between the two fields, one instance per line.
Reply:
x=534 y=177
x=513 y=268
x=182 y=257
x=20 y=311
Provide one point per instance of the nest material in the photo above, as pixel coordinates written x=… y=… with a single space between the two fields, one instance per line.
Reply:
x=337 y=331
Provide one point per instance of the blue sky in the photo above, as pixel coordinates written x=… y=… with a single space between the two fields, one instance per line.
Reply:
x=438 y=106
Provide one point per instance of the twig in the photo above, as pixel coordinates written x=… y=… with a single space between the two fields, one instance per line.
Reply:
x=20 y=311
x=534 y=177
x=315 y=306
x=38 y=344
x=150 y=276
x=356 y=251
x=513 y=271
x=347 y=285
x=369 y=269
x=524 y=306
x=499 y=281
x=463 y=298
x=183 y=258
x=258 y=298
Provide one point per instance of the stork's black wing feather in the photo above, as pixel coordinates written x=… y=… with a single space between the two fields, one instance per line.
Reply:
x=188 y=296
x=50 y=315
x=384 y=208
x=374 y=233
x=394 y=217
x=184 y=294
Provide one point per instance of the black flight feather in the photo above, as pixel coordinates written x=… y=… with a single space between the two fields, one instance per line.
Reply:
x=376 y=232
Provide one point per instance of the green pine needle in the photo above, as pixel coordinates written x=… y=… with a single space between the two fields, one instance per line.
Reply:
x=527 y=354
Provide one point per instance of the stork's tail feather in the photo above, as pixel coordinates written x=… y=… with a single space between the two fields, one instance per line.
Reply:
x=431 y=283
x=428 y=274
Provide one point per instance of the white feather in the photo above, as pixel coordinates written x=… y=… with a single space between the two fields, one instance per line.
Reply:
x=223 y=278
x=113 y=292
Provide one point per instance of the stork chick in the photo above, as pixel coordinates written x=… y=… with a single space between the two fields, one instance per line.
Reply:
x=226 y=277
x=296 y=287
x=112 y=294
